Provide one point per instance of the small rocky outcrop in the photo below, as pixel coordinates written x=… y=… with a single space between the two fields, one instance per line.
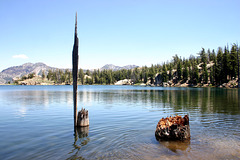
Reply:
x=173 y=128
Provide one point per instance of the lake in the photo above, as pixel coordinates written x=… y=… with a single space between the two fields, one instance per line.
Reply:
x=36 y=122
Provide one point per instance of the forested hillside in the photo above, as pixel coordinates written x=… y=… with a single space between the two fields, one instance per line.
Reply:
x=208 y=67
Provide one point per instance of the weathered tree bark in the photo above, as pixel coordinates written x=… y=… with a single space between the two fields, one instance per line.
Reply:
x=83 y=119
x=238 y=68
x=75 y=72
x=173 y=128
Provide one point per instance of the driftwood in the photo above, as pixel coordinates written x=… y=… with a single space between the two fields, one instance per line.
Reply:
x=173 y=128
x=82 y=118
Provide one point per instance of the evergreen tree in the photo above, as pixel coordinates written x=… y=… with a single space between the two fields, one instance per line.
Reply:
x=179 y=70
x=213 y=56
x=176 y=60
x=135 y=75
x=204 y=66
x=164 y=73
x=170 y=75
x=88 y=72
x=185 y=71
x=81 y=76
x=212 y=75
x=218 y=67
x=225 y=65
x=233 y=68
x=209 y=54
x=43 y=75
x=195 y=75
x=151 y=74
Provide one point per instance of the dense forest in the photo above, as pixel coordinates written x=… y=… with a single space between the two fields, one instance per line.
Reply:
x=208 y=67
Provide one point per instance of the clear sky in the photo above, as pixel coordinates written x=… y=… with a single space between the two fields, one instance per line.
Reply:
x=119 y=32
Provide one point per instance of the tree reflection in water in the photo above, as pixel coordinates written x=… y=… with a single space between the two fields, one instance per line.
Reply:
x=80 y=139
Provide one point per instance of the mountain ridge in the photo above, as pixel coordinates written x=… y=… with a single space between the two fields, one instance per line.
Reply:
x=115 y=68
x=18 y=71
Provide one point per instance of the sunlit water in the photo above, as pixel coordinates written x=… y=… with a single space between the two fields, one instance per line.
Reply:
x=36 y=122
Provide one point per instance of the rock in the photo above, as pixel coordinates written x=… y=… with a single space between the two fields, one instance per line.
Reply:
x=124 y=82
x=82 y=118
x=173 y=128
x=165 y=84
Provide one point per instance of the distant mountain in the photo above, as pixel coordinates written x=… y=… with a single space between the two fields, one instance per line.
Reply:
x=19 y=71
x=115 y=68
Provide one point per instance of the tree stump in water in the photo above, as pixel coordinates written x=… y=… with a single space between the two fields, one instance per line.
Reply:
x=82 y=118
x=173 y=128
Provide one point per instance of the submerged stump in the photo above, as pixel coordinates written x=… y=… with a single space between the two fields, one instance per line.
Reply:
x=82 y=118
x=173 y=128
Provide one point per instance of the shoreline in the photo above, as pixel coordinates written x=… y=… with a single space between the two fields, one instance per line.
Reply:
x=141 y=85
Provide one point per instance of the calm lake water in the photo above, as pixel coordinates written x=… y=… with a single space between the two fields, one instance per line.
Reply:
x=36 y=122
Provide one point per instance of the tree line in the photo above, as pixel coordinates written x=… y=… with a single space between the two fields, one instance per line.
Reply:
x=208 y=67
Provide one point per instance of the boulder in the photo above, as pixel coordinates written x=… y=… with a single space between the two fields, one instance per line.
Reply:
x=124 y=82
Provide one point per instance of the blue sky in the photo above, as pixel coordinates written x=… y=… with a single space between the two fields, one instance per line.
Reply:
x=118 y=32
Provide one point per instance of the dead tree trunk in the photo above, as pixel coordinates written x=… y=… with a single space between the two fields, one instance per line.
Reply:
x=83 y=119
x=75 y=72
x=173 y=128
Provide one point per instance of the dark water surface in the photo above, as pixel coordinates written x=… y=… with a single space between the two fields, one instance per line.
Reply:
x=36 y=122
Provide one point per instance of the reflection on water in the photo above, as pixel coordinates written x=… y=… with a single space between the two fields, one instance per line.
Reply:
x=176 y=145
x=204 y=99
x=123 y=122
x=80 y=139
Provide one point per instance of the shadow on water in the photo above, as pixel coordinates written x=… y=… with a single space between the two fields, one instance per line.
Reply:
x=80 y=139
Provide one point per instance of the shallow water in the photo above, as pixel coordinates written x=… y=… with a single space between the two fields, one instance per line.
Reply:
x=36 y=122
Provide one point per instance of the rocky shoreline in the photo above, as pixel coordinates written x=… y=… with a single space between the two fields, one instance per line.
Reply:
x=38 y=80
x=230 y=84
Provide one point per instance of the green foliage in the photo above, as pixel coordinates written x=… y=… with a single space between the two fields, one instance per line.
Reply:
x=164 y=74
x=179 y=70
x=208 y=67
x=186 y=71
x=219 y=67
x=31 y=75
x=233 y=68
x=81 y=76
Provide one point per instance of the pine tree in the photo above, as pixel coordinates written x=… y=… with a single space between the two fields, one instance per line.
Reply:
x=225 y=65
x=233 y=62
x=164 y=73
x=218 y=67
x=204 y=60
x=43 y=75
x=81 y=76
x=185 y=71
x=209 y=54
x=152 y=74
x=179 y=70
x=170 y=75
x=211 y=76
x=195 y=76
